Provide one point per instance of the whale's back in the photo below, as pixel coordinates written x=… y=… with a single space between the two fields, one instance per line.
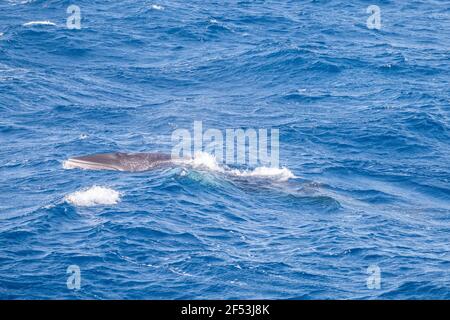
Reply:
x=119 y=161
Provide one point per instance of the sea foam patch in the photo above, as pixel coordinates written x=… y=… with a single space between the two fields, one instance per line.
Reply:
x=157 y=7
x=39 y=23
x=67 y=165
x=279 y=174
x=94 y=196
x=206 y=161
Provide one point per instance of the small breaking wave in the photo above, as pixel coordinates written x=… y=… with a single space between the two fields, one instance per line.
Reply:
x=279 y=174
x=67 y=165
x=39 y=23
x=93 y=196
x=157 y=7
x=206 y=161
x=16 y=2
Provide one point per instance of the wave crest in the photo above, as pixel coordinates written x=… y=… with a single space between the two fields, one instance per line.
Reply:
x=279 y=174
x=93 y=196
x=157 y=7
x=206 y=161
x=39 y=23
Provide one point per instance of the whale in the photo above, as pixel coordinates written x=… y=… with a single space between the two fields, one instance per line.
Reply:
x=119 y=161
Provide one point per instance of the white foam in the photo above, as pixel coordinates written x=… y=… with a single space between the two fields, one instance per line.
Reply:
x=68 y=165
x=94 y=196
x=206 y=161
x=279 y=174
x=203 y=160
x=157 y=7
x=16 y=2
x=39 y=23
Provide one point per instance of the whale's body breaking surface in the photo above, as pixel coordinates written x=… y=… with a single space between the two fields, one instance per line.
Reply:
x=135 y=162
x=119 y=161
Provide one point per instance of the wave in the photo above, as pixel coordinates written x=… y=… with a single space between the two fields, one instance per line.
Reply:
x=204 y=160
x=39 y=23
x=19 y=2
x=67 y=166
x=157 y=7
x=280 y=174
x=93 y=196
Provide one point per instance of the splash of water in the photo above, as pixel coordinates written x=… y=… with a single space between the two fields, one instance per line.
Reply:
x=93 y=196
x=157 y=7
x=39 y=23
x=206 y=161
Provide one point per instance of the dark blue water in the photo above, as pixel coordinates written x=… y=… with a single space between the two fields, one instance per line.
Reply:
x=364 y=125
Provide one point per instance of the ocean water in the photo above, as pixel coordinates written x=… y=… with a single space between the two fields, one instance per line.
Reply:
x=363 y=116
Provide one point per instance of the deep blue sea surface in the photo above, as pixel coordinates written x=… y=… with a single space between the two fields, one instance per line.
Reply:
x=364 y=126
